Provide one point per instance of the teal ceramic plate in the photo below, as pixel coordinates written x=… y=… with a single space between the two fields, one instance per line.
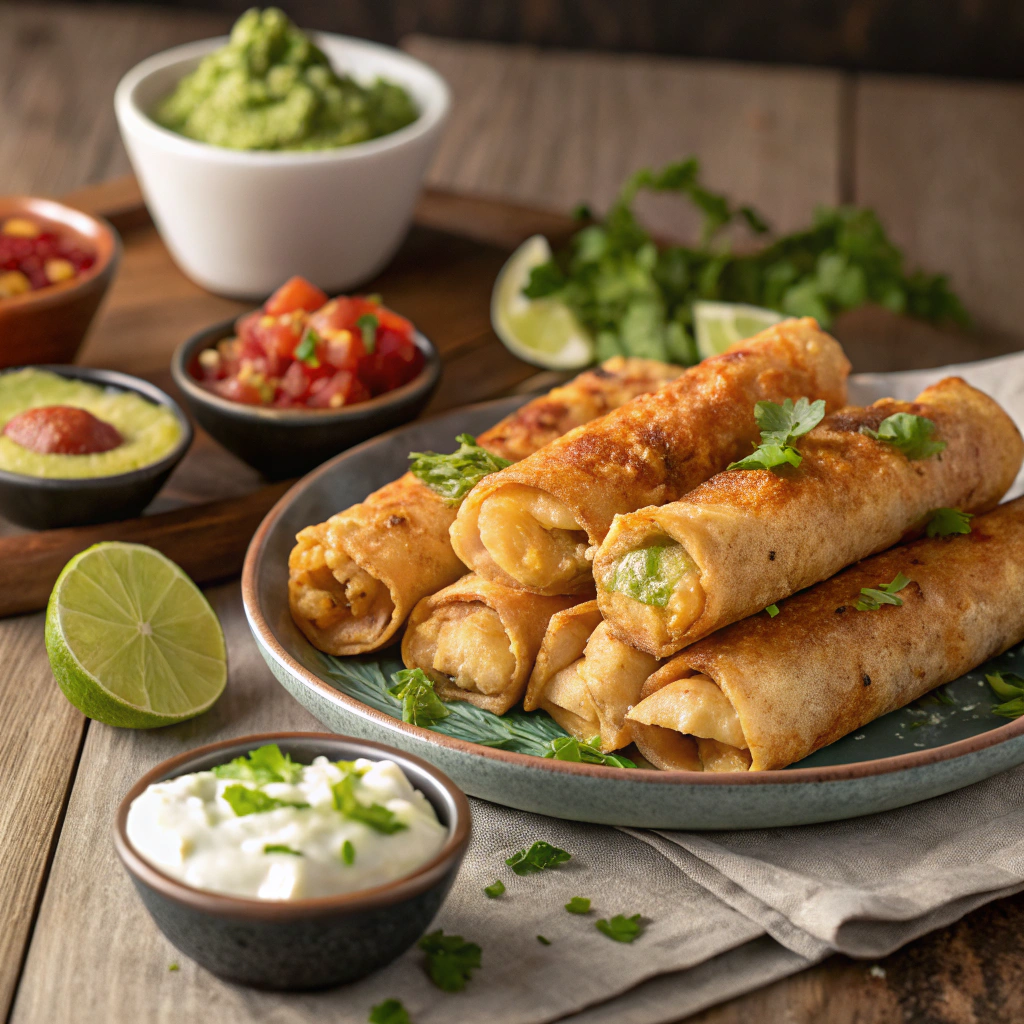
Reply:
x=949 y=740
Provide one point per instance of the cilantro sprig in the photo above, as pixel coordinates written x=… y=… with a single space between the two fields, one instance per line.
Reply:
x=451 y=960
x=781 y=425
x=454 y=476
x=495 y=889
x=620 y=928
x=578 y=905
x=414 y=690
x=264 y=764
x=377 y=816
x=909 y=434
x=244 y=800
x=872 y=598
x=568 y=748
x=391 y=1011
x=945 y=522
x=1010 y=687
x=539 y=857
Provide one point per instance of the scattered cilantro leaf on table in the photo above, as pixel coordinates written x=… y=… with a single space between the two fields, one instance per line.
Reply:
x=781 y=425
x=264 y=764
x=908 y=433
x=244 y=800
x=539 y=857
x=947 y=521
x=450 y=960
x=174 y=967
x=568 y=748
x=872 y=599
x=377 y=816
x=414 y=689
x=391 y=1011
x=578 y=905
x=543 y=941
x=620 y=928
x=454 y=476
x=495 y=889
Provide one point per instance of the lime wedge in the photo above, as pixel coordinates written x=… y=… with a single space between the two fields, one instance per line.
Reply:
x=131 y=639
x=717 y=325
x=544 y=332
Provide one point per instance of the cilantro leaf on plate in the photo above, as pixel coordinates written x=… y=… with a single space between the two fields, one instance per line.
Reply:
x=414 y=690
x=947 y=521
x=451 y=960
x=391 y=1011
x=910 y=434
x=872 y=598
x=454 y=476
x=568 y=748
x=1010 y=687
x=378 y=817
x=620 y=928
x=578 y=905
x=265 y=764
x=244 y=800
x=538 y=857
x=780 y=426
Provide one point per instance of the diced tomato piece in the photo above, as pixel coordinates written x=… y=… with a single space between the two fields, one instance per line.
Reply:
x=394 y=362
x=343 y=388
x=341 y=349
x=296 y=293
x=235 y=391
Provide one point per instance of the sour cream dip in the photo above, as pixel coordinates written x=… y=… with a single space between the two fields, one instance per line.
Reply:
x=269 y=828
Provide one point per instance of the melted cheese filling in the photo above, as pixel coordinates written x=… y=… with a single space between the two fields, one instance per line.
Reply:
x=533 y=537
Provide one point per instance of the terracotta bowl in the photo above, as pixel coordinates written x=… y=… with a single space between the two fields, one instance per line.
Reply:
x=48 y=325
x=303 y=943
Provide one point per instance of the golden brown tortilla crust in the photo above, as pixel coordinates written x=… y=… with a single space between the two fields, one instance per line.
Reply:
x=524 y=616
x=399 y=534
x=820 y=669
x=758 y=536
x=659 y=446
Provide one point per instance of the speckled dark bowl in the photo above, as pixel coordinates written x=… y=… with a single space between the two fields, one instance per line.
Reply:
x=310 y=943
x=45 y=503
x=283 y=443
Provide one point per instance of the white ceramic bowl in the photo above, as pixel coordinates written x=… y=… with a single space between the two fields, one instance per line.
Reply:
x=240 y=223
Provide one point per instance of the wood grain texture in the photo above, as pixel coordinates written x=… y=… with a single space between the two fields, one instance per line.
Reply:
x=40 y=733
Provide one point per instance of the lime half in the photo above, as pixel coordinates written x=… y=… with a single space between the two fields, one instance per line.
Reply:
x=544 y=332
x=131 y=639
x=717 y=325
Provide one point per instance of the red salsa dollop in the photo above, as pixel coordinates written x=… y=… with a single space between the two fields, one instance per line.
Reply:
x=62 y=430
x=303 y=350
x=33 y=256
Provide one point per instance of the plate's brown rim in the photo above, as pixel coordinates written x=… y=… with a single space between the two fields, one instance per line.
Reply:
x=832 y=773
x=388 y=893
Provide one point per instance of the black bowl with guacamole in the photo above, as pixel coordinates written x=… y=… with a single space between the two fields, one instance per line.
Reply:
x=81 y=446
x=271 y=88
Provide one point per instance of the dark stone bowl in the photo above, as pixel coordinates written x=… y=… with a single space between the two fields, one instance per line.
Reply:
x=283 y=443
x=44 y=503
x=307 y=943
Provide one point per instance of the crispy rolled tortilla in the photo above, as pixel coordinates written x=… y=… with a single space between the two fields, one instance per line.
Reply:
x=531 y=524
x=478 y=640
x=586 y=679
x=766 y=692
x=354 y=578
x=745 y=539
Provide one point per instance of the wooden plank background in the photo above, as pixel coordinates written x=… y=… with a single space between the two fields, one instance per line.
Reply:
x=939 y=160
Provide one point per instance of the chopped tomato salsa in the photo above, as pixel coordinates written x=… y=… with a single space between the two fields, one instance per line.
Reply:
x=303 y=350
x=33 y=256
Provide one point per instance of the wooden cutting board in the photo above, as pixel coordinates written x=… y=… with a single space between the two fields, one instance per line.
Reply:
x=441 y=279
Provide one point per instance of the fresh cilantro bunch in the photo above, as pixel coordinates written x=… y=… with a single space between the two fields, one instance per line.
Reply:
x=909 y=434
x=568 y=748
x=636 y=298
x=872 y=599
x=780 y=426
x=415 y=691
x=454 y=476
x=451 y=960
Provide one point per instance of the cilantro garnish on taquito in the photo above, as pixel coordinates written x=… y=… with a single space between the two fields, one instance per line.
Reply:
x=586 y=679
x=478 y=640
x=354 y=579
x=531 y=525
x=807 y=502
x=768 y=691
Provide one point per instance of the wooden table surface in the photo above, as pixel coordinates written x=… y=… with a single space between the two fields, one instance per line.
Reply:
x=940 y=162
